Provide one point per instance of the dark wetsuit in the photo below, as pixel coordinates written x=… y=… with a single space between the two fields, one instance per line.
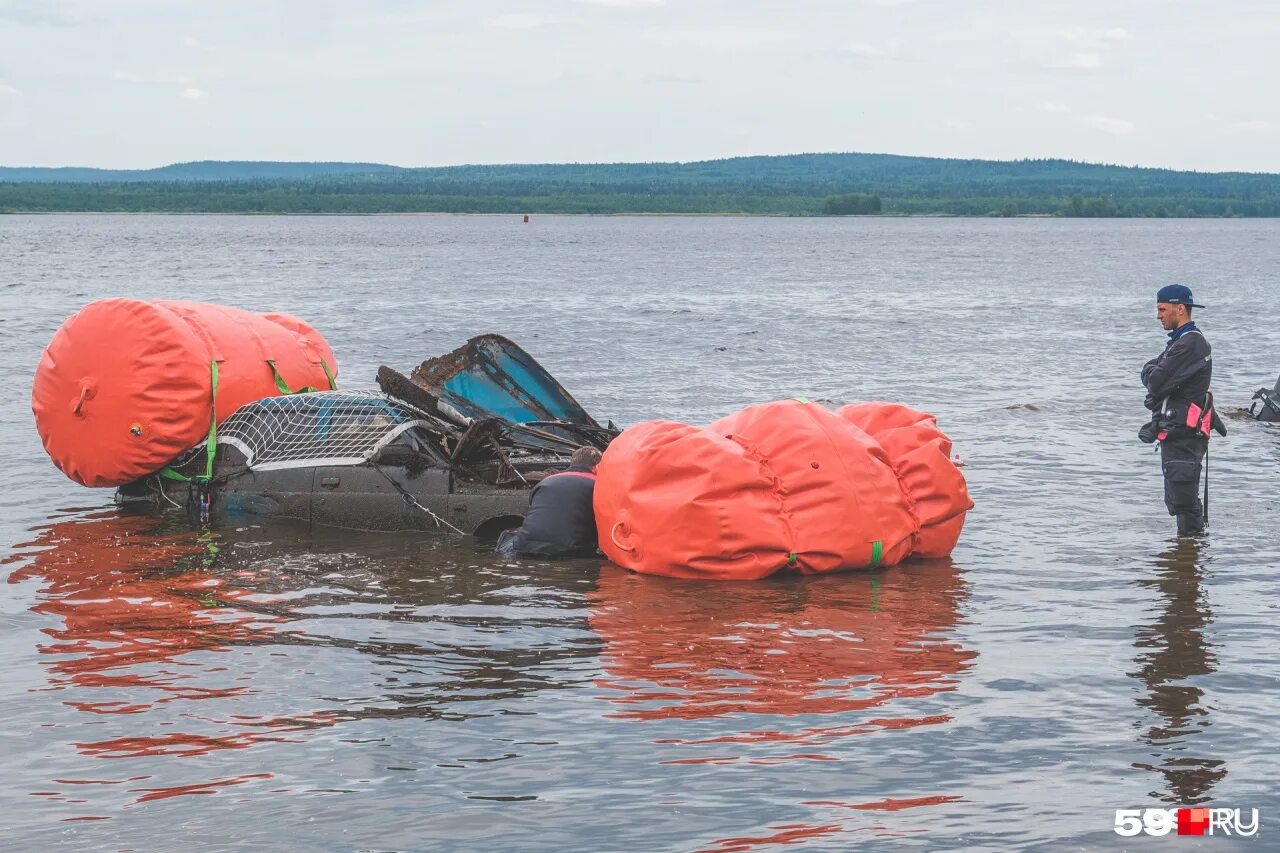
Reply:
x=1177 y=379
x=561 y=520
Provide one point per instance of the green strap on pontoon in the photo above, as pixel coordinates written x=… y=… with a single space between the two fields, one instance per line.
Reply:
x=305 y=389
x=877 y=554
x=284 y=386
x=211 y=446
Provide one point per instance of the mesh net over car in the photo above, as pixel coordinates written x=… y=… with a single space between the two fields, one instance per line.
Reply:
x=322 y=428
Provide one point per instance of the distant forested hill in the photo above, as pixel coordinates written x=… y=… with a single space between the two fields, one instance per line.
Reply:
x=801 y=184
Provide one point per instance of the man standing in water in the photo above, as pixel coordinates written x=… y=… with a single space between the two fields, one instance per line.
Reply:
x=1178 y=396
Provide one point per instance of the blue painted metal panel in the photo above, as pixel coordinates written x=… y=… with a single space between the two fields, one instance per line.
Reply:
x=502 y=380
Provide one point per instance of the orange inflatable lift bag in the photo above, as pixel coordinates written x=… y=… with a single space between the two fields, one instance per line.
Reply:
x=125 y=385
x=921 y=457
x=676 y=500
x=784 y=485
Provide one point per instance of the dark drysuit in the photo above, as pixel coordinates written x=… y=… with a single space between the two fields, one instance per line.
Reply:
x=1177 y=383
x=561 y=520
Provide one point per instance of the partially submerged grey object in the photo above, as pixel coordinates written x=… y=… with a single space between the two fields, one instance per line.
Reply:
x=456 y=447
x=1266 y=404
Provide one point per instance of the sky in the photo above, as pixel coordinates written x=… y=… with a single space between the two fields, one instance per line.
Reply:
x=143 y=83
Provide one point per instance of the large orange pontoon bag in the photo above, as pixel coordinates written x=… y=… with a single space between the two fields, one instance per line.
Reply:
x=125 y=386
x=784 y=485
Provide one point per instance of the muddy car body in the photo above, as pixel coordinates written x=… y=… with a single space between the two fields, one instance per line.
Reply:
x=456 y=447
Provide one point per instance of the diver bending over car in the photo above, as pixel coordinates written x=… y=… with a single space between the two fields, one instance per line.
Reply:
x=561 y=520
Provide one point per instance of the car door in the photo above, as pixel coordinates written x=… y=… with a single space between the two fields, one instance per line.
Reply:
x=253 y=496
x=373 y=497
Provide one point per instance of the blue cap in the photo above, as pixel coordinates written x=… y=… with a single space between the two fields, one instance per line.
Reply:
x=1177 y=294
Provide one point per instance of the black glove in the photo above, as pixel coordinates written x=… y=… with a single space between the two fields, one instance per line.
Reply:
x=1218 y=426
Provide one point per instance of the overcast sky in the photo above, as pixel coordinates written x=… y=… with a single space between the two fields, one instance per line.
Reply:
x=140 y=83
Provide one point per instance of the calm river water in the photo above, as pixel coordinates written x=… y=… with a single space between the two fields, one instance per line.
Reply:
x=287 y=690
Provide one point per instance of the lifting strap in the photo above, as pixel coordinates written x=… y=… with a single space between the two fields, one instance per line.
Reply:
x=305 y=389
x=211 y=445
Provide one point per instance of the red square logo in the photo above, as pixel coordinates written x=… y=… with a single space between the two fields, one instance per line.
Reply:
x=1193 y=821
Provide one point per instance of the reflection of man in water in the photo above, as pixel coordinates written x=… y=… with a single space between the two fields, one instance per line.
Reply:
x=1172 y=650
x=561 y=520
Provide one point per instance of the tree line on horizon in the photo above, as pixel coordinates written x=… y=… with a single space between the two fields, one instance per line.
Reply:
x=799 y=185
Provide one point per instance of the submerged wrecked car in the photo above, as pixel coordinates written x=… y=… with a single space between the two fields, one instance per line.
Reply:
x=1266 y=404
x=455 y=447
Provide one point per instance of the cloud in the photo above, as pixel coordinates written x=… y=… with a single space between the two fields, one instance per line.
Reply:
x=670 y=79
x=10 y=106
x=624 y=4
x=1116 y=126
x=1070 y=63
x=432 y=16
x=186 y=91
x=1095 y=37
x=870 y=51
x=524 y=21
x=720 y=38
x=34 y=13
x=958 y=124
x=868 y=54
x=152 y=79
x=1254 y=126
x=1054 y=108
x=1084 y=61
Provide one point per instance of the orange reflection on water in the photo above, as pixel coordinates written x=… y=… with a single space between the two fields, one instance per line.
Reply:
x=800 y=833
x=847 y=646
x=783 y=834
x=273 y=730
x=126 y=597
x=210 y=787
x=132 y=602
x=889 y=804
x=816 y=735
x=828 y=645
